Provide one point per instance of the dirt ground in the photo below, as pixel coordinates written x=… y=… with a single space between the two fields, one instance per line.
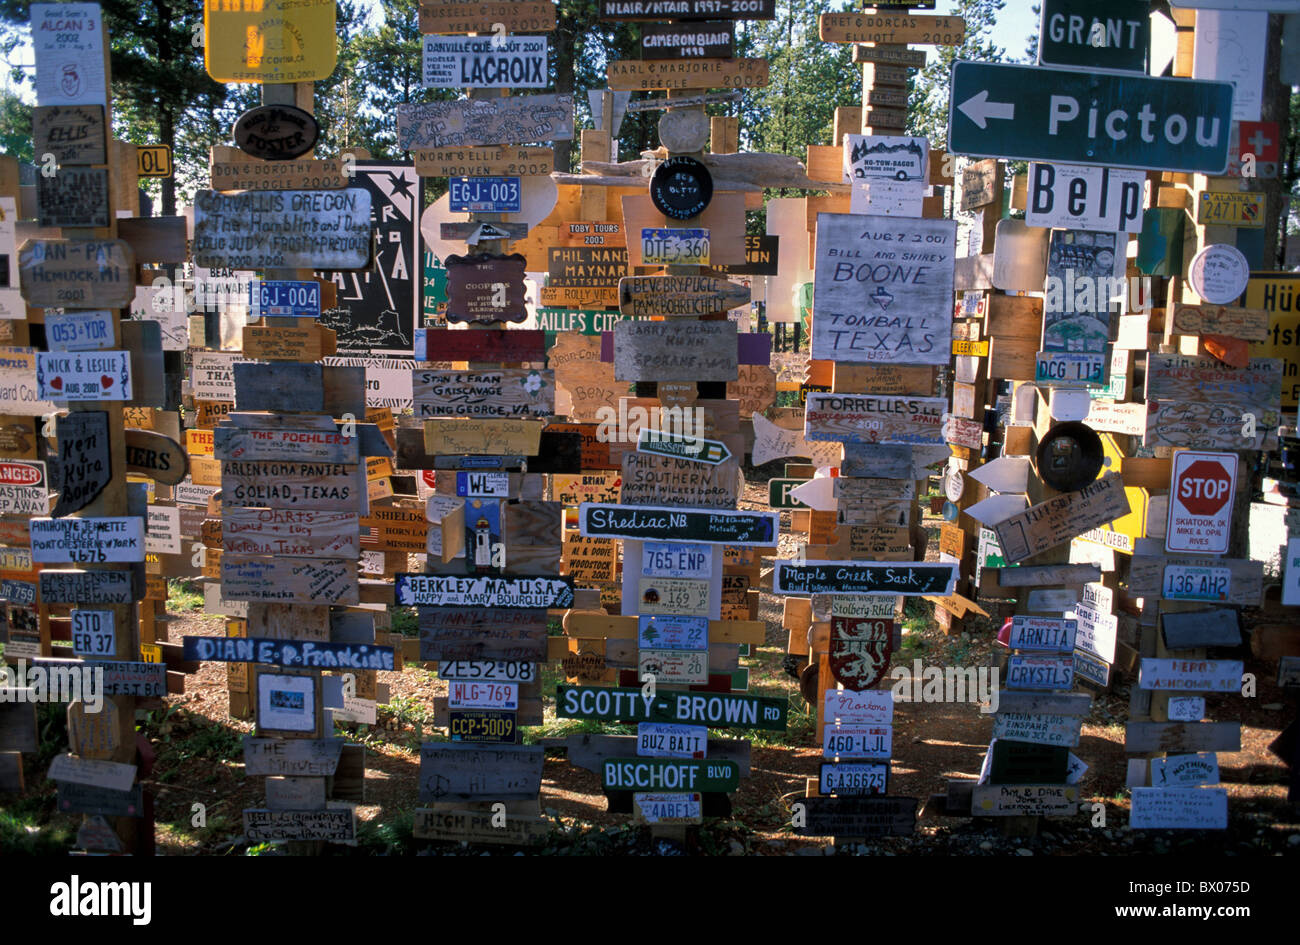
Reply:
x=200 y=760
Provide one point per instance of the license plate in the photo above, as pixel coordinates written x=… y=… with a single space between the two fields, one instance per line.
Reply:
x=674 y=247
x=1069 y=369
x=484 y=194
x=487 y=670
x=481 y=725
x=286 y=299
x=482 y=695
x=852 y=741
x=1183 y=582
x=666 y=740
x=853 y=778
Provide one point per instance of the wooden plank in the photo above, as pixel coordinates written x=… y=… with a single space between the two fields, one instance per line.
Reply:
x=1209 y=381
x=1043 y=575
x=873 y=311
x=294 y=533
x=509 y=346
x=1020 y=800
x=525 y=119
x=301 y=342
x=469 y=826
x=1250 y=324
x=482 y=436
x=294 y=757
x=675 y=351
x=1147 y=576
x=77 y=273
x=467 y=771
x=493 y=393
x=527 y=16
x=891 y=461
x=723 y=218
x=1182 y=736
x=70 y=586
x=678 y=295
x=891 y=28
x=1212 y=426
x=478 y=590
x=662 y=480
x=74 y=134
x=862 y=577
x=290 y=485
x=247 y=230
x=1061 y=518
x=290 y=653
x=332 y=825
x=232 y=442
x=847 y=816
x=74 y=197
x=157 y=456
x=484 y=162
x=448 y=633
x=1214 y=626
x=300 y=580
x=675 y=524
x=868 y=418
x=883 y=378
x=645 y=74
x=240 y=172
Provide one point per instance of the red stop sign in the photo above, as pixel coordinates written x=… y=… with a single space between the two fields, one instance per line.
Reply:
x=1204 y=487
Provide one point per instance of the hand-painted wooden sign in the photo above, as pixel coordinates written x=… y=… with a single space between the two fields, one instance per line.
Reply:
x=644 y=74
x=492 y=393
x=159 y=457
x=304 y=653
x=94 y=773
x=883 y=289
x=447 y=436
x=867 y=418
x=1208 y=426
x=1250 y=324
x=1191 y=675
x=650 y=479
x=655 y=523
x=687 y=9
x=528 y=16
x=485 y=62
x=88 y=587
x=857 y=816
x=863 y=577
x=678 y=295
x=325 y=486
x=1062 y=517
x=484 y=162
x=891 y=28
x=1038 y=728
x=662 y=246
x=77 y=273
x=522 y=119
x=272 y=41
x=475 y=772
x=292 y=757
x=329 y=825
x=1232 y=208
x=87 y=540
x=432 y=590
x=716 y=710
x=231 y=442
x=675 y=351
x=75 y=196
x=709 y=39
x=1024 y=800
x=87 y=799
x=665 y=774
x=290 y=532
x=1179 y=808
x=275 y=132
x=463 y=633
x=236 y=173
x=289 y=580
x=1189 y=379
x=486 y=288
x=74 y=134
x=283 y=229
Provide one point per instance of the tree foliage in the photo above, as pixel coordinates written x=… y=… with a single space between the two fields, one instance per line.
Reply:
x=927 y=103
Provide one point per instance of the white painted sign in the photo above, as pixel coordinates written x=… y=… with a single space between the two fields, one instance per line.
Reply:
x=163 y=530
x=1179 y=808
x=1231 y=46
x=164 y=304
x=1200 y=502
x=93 y=633
x=864 y=707
x=1191 y=675
x=666 y=740
x=12 y=306
x=1098 y=632
x=1039 y=729
x=485 y=62
x=87 y=540
x=212 y=374
x=1186 y=708
x=1072 y=196
x=68 y=44
x=83 y=376
x=857 y=741
x=79 y=331
x=1185 y=770
x=1219 y=273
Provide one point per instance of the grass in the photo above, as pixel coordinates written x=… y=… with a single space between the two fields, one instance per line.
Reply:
x=184 y=597
x=404 y=620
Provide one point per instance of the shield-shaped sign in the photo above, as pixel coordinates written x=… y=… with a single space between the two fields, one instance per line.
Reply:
x=860 y=649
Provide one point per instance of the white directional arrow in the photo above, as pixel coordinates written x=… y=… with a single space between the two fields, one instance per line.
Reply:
x=979 y=109
x=1004 y=474
x=817 y=494
x=998 y=508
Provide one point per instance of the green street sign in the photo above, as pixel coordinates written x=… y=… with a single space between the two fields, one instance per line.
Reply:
x=1066 y=117
x=696 y=449
x=778 y=494
x=714 y=709
x=1095 y=34
x=669 y=774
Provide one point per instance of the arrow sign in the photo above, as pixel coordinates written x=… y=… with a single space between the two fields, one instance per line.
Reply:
x=997 y=508
x=1004 y=474
x=817 y=494
x=1069 y=117
x=694 y=448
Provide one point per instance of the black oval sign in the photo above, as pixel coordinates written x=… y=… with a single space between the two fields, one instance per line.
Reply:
x=681 y=188
x=1070 y=456
x=276 y=132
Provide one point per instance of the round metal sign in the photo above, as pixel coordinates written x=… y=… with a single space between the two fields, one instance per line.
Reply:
x=681 y=188
x=1070 y=456
x=276 y=132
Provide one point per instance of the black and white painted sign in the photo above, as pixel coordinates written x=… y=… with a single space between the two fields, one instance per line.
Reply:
x=485 y=62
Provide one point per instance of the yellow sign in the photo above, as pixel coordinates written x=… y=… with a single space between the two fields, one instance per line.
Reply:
x=153 y=160
x=1231 y=208
x=1278 y=293
x=150 y=653
x=269 y=40
x=976 y=349
x=1123 y=533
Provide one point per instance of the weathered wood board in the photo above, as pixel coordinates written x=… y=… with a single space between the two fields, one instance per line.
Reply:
x=265 y=229
x=77 y=273
x=245 y=173
x=435 y=590
x=663 y=480
x=678 y=295
x=233 y=442
x=456 y=633
x=1187 y=379
x=289 y=485
x=644 y=74
x=1062 y=517
x=493 y=393
x=523 y=119
x=472 y=772
x=529 y=16
x=891 y=28
x=675 y=351
x=331 y=825
x=74 y=134
x=1250 y=324
x=484 y=162
x=869 y=418
x=293 y=533
x=300 y=580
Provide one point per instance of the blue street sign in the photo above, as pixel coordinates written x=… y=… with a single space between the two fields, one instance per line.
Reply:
x=484 y=194
x=1066 y=117
x=285 y=299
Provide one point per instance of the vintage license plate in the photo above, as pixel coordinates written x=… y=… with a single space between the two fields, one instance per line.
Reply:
x=675 y=559
x=672 y=632
x=674 y=247
x=462 y=694
x=484 y=194
x=481 y=725
x=666 y=740
x=514 y=671
x=1187 y=582
x=673 y=596
x=280 y=299
x=854 y=778
x=857 y=741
